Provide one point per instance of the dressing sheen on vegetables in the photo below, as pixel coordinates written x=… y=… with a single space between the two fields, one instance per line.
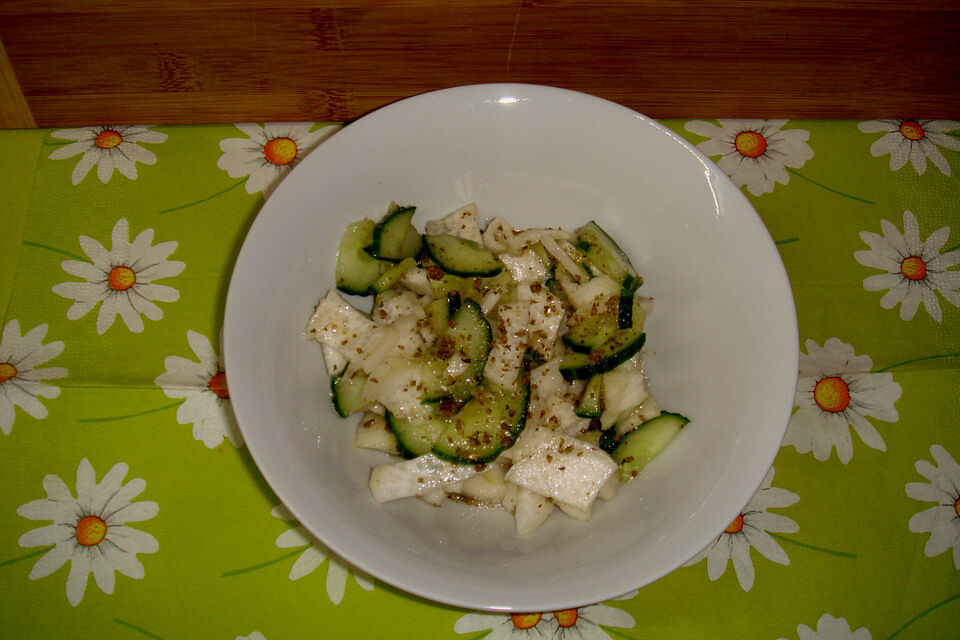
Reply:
x=500 y=367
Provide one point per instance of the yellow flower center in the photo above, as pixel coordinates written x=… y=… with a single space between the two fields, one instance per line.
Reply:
x=525 y=620
x=567 y=617
x=108 y=139
x=750 y=144
x=911 y=130
x=736 y=525
x=280 y=151
x=832 y=394
x=218 y=384
x=913 y=268
x=121 y=278
x=91 y=531
x=7 y=371
x=956 y=507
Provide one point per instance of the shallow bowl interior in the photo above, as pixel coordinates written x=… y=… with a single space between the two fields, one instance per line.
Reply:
x=721 y=341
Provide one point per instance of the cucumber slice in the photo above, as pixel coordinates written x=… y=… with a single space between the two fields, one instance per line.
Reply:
x=589 y=332
x=469 y=338
x=615 y=351
x=608 y=440
x=356 y=271
x=631 y=283
x=625 y=310
x=346 y=392
x=604 y=252
x=392 y=276
x=590 y=404
x=438 y=314
x=453 y=303
x=544 y=256
x=415 y=437
x=461 y=257
x=593 y=437
x=641 y=445
x=618 y=348
x=485 y=426
x=395 y=238
x=474 y=287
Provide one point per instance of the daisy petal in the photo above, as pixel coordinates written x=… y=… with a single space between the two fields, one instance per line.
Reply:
x=882 y=281
x=944 y=262
x=773 y=522
x=50 y=534
x=930 y=303
x=295 y=537
x=942 y=140
x=934 y=243
x=82 y=133
x=875 y=126
x=102 y=572
x=51 y=561
x=130 y=316
x=703 y=128
x=477 y=622
x=933 y=153
x=126 y=563
x=87 y=162
x=70 y=150
x=610 y=616
x=133 y=540
x=105 y=166
x=742 y=564
x=910 y=302
x=718 y=556
x=107 y=314
x=336 y=581
x=135 y=153
x=769 y=548
x=306 y=563
x=59 y=511
x=918 y=159
x=125 y=165
x=77 y=580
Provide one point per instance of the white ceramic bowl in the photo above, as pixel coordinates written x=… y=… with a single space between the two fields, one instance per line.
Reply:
x=721 y=341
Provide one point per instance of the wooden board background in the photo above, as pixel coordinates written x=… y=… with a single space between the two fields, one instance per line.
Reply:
x=168 y=61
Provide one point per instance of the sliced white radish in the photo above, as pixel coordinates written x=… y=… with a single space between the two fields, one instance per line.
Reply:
x=563 y=468
x=532 y=510
x=461 y=223
x=374 y=433
x=397 y=480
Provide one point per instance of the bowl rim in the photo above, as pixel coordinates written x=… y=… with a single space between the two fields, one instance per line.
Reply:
x=772 y=442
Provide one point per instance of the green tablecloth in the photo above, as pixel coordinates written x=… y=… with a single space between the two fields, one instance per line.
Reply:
x=131 y=509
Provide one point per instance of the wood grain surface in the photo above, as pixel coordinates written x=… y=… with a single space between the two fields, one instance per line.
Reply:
x=165 y=61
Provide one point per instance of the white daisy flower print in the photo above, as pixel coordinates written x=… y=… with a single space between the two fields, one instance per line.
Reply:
x=749 y=529
x=90 y=530
x=107 y=148
x=122 y=279
x=836 y=389
x=256 y=635
x=914 y=141
x=941 y=521
x=754 y=153
x=915 y=269
x=314 y=556
x=21 y=376
x=516 y=626
x=269 y=152
x=830 y=628
x=203 y=384
x=581 y=623
x=584 y=623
